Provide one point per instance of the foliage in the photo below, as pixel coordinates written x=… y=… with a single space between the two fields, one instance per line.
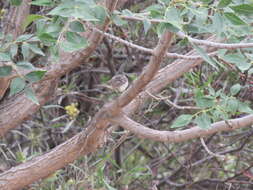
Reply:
x=217 y=90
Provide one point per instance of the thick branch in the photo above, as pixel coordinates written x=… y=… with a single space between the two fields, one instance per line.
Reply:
x=68 y=61
x=179 y=136
x=85 y=142
x=15 y=18
x=12 y=114
x=4 y=84
x=41 y=166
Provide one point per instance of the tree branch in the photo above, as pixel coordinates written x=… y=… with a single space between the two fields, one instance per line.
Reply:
x=68 y=61
x=180 y=136
x=87 y=141
x=215 y=44
x=150 y=51
x=15 y=18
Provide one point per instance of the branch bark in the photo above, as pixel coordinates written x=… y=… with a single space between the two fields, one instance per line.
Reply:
x=67 y=62
x=179 y=136
x=19 y=108
x=15 y=18
x=85 y=142
x=89 y=140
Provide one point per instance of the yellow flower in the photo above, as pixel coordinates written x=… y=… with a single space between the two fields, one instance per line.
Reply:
x=72 y=110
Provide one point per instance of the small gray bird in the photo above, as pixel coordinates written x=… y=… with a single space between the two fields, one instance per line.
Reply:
x=118 y=83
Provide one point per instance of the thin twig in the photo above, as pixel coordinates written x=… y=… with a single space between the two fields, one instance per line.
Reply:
x=210 y=152
x=215 y=44
x=150 y=51
x=168 y=102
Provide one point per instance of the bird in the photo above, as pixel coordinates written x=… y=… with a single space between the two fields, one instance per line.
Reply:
x=118 y=83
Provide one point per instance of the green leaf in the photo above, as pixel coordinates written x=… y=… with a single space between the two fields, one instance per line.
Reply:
x=244 y=108
x=5 y=71
x=42 y=2
x=234 y=19
x=235 y=89
x=34 y=48
x=163 y=26
x=118 y=21
x=47 y=39
x=190 y=28
x=25 y=50
x=35 y=76
x=24 y=37
x=13 y=50
x=73 y=37
x=218 y=23
x=5 y=57
x=31 y=95
x=16 y=2
x=25 y=65
x=204 y=55
x=203 y=121
x=172 y=15
x=99 y=12
x=73 y=42
x=206 y=1
x=85 y=15
x=31 y=18
x=71 y=47
x=232 y=105
x=250 y=71
x=75 y=9
x=224 y=3
x=76 y=26
x=34 y=39
x=54 y=53
x=238 y=59
x=127 y=12
x=182 y=120
x=245 y=9
x=146 y=25
x=220 y=114
x=155 y=10
x=205 y=101
x=17 y=85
